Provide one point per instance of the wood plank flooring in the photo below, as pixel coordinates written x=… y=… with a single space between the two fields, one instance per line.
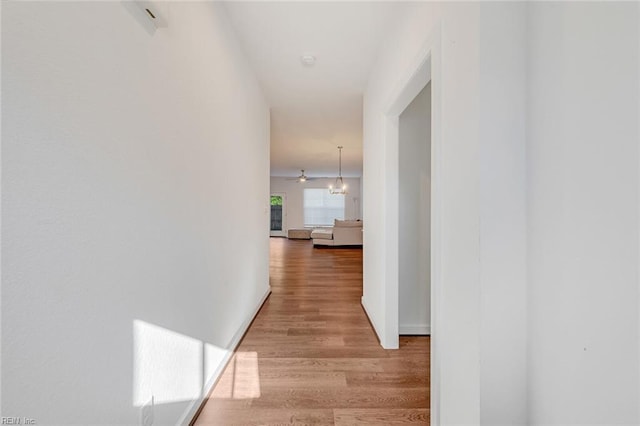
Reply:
x=311 y=356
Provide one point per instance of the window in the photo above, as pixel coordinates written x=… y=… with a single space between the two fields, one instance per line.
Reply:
x=321 y=208
x=276 y=212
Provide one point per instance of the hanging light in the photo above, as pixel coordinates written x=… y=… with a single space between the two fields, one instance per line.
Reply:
x=339 y=187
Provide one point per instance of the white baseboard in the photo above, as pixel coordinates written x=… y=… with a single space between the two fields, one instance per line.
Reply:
x=415 y=329
x=371 y=320
x=193 y=408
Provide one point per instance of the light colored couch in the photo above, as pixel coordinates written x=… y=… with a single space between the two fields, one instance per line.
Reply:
x=343 y=233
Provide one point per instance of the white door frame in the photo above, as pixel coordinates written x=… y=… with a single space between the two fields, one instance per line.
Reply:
x=426 y=67
x=283 y=232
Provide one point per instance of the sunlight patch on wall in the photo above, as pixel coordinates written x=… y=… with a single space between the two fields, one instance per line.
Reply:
x=214 y=357
x=173 y=367
x=166 y=364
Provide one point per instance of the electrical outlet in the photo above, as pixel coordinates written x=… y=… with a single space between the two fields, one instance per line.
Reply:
x=146 y=413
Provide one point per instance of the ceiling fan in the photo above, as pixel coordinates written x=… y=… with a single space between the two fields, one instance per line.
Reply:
x=302 y=178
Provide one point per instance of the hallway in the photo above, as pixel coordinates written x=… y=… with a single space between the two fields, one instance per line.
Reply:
x=311 y=356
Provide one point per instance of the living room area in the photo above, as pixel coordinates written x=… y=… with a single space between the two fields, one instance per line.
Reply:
x=307 y=210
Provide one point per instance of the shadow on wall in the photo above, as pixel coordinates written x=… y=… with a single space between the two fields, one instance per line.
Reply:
x=170 y=367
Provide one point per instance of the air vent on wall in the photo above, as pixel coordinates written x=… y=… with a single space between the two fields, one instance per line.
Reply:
x=156 y=12
x=150 y=14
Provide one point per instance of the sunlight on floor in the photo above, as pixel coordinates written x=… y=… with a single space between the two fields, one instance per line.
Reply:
x=241 y=379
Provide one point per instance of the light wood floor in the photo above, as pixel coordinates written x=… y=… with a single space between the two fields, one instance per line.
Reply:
x=311 y=356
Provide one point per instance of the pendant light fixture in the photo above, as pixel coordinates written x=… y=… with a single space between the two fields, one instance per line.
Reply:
x=339 y=188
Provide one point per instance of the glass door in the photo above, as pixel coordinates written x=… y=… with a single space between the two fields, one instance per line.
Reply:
x=278 y=215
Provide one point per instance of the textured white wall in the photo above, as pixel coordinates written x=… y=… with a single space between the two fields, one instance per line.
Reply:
x=134 y=207
x=469 y=119
x=540 y=107
x=414 y=216
x=295 y=198
x=583 y=170
x=502 y=187
x=459 y=399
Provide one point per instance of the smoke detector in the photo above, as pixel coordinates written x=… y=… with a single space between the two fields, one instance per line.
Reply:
x=308 y=60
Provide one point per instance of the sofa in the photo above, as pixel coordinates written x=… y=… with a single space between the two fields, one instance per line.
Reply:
x=343 y=233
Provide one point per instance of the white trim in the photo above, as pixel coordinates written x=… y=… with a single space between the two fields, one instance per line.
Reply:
x=426 y=67
x=391 y=337
x=1 y=198
x=415 y=329
x=412 y=85
x=436 y=215
x=638 y=179
x=371 y=318
x=191 y=411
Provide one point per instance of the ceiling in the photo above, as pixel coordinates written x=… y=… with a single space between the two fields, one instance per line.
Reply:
x=313 y=108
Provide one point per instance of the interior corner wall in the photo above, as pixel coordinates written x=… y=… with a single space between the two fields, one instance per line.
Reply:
x=127 y=265
x=294 y=208
x=583 y=168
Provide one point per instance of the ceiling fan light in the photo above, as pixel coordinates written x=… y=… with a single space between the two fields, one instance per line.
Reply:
x=302 y=177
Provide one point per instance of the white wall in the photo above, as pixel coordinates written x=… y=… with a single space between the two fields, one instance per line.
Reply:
x=295 y=197
x=414 y=216
x=539 y=155
x=468 y=260
x=459 y=401
x=0 y=219
x=128 y=230
x=502 y=192
x=582 y=162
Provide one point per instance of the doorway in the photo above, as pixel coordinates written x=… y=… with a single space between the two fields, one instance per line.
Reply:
x=414 y=216
x=424 y=71
x=278 y=215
